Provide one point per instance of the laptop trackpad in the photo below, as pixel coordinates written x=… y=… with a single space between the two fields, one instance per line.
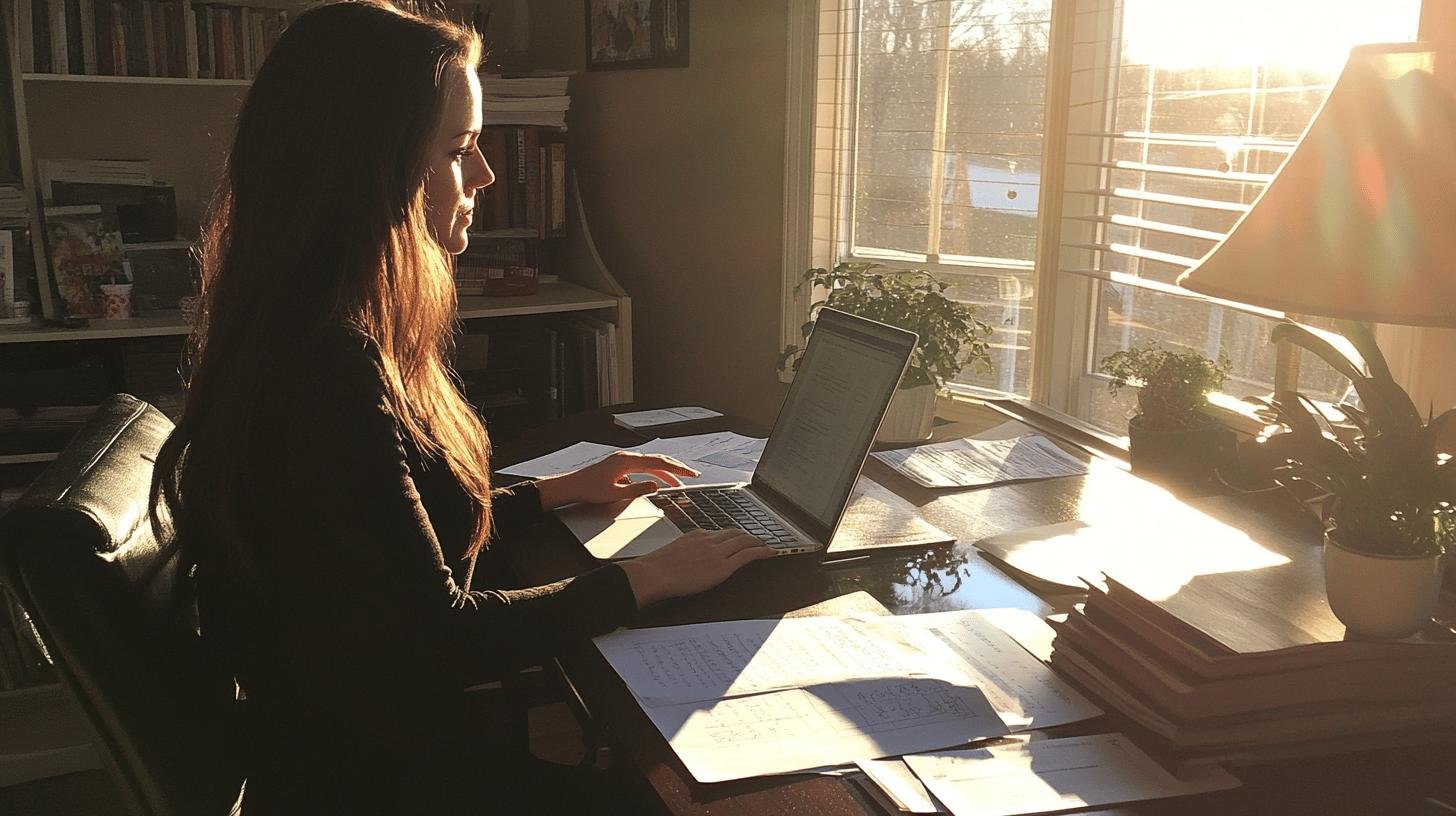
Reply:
x=619 y=530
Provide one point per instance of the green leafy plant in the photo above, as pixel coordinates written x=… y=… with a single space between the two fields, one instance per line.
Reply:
x=1174 y=385
x=951 y=338
x=1390 y=489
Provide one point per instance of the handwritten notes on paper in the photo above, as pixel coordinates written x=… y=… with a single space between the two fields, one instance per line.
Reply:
x=1024 y=692
x=710 y=661
x=1047 y=776
x=981 y=462
x=829 y=724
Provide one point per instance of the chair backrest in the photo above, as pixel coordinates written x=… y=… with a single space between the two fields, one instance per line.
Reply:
x=117 y=613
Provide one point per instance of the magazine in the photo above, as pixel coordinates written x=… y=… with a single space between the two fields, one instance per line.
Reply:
x=85 y=249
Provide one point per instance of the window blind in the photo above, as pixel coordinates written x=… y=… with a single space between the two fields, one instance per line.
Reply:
x=1175 y=128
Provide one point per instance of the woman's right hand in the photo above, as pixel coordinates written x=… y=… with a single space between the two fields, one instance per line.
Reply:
x=692 y=563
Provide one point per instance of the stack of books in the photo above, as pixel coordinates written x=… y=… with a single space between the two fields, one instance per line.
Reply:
x=13 y=209
x=1252 y=666
x=528 y=99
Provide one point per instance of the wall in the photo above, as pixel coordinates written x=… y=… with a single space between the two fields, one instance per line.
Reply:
x=682 y=174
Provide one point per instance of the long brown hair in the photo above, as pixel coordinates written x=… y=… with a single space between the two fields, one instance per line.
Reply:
x=320 y=220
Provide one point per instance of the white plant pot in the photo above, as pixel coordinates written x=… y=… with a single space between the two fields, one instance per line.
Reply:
x=909 y=416
x=1383 y=596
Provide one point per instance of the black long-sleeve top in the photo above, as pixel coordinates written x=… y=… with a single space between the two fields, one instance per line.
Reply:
x=349 y=630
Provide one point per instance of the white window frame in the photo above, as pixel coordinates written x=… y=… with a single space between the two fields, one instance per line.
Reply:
x=1063 y=375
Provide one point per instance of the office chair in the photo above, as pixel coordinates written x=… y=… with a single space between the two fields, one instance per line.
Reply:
x=116 y=612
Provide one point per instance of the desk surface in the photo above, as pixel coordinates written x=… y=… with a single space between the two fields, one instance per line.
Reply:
x=1387 y=782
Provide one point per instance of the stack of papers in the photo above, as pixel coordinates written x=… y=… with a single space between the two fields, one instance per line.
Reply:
x=636 y=420
x=748 y=698
x=982 y=462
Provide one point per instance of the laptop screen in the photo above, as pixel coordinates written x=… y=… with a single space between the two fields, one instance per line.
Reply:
x=829 y=419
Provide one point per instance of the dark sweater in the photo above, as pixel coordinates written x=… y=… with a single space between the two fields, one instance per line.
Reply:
x=355 y=639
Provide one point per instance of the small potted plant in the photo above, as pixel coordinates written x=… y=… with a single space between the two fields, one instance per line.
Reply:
x=1170 y=438
x=951 y=338
x=1390 y=508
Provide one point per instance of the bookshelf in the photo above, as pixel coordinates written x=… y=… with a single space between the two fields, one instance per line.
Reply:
x=74 y=115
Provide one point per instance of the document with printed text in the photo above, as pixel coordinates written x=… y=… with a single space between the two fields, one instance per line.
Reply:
x=979 y=462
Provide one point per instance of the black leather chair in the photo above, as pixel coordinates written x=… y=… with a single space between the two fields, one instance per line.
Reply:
x=116 y=610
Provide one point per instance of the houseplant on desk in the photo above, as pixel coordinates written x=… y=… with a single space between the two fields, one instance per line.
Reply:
x=1170 y=439
x=951 y=338
x=1390 y=513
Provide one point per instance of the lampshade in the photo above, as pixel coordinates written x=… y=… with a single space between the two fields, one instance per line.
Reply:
x=1360 y=223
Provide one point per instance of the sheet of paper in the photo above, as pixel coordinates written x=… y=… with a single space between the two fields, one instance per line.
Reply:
x=978 y=462
x=1024 y=691
x=805 y=728
x=900 y=784
x=723 y=458
x=663 y=416
x=1155 y=556
x=710 y=661
x=1045 y=776
x=567 y=459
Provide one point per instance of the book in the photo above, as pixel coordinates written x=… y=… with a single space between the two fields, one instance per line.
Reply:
x=40 y=35
x=145 y=213
x=89 y=54
x=556 y=189
x=60 y=53
x=148 y=41
x=85 y=249
x=7 y=271
x=203 y=34
x=102 y=34
x=134 y=42
x=92 y=171
x=25 y=34
x=190 y=65
x=75 y=37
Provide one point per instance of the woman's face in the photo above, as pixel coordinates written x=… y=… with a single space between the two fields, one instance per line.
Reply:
x=457 y=169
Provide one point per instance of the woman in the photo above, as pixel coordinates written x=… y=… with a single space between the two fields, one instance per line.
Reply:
x=327 y=477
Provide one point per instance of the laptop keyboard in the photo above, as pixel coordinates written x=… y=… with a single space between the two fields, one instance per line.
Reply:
x=720 y=509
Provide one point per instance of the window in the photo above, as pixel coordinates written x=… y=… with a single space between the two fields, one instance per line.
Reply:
x=930 y=154
x=929 y=124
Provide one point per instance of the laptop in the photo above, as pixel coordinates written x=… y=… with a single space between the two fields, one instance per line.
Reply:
x=807 y=472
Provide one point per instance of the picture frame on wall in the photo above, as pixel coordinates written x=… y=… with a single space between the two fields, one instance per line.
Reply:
x=636 y=34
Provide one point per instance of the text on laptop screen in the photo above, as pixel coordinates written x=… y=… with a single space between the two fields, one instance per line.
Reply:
x=831 y=414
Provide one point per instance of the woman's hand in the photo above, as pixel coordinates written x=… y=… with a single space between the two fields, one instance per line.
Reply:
x=692 y=563
x=607 y=481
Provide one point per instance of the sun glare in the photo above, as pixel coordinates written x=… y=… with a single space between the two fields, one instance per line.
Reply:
x=1306 y=34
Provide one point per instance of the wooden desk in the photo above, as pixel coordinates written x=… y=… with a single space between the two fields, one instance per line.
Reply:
x=1383 y=783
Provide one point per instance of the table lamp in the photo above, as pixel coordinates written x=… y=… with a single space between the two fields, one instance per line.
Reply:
x=1360 y=222
x=1360 y=225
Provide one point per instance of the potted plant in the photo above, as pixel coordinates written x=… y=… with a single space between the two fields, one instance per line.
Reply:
x=1390 y=509
x=951 y=338
x=1170 y=439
